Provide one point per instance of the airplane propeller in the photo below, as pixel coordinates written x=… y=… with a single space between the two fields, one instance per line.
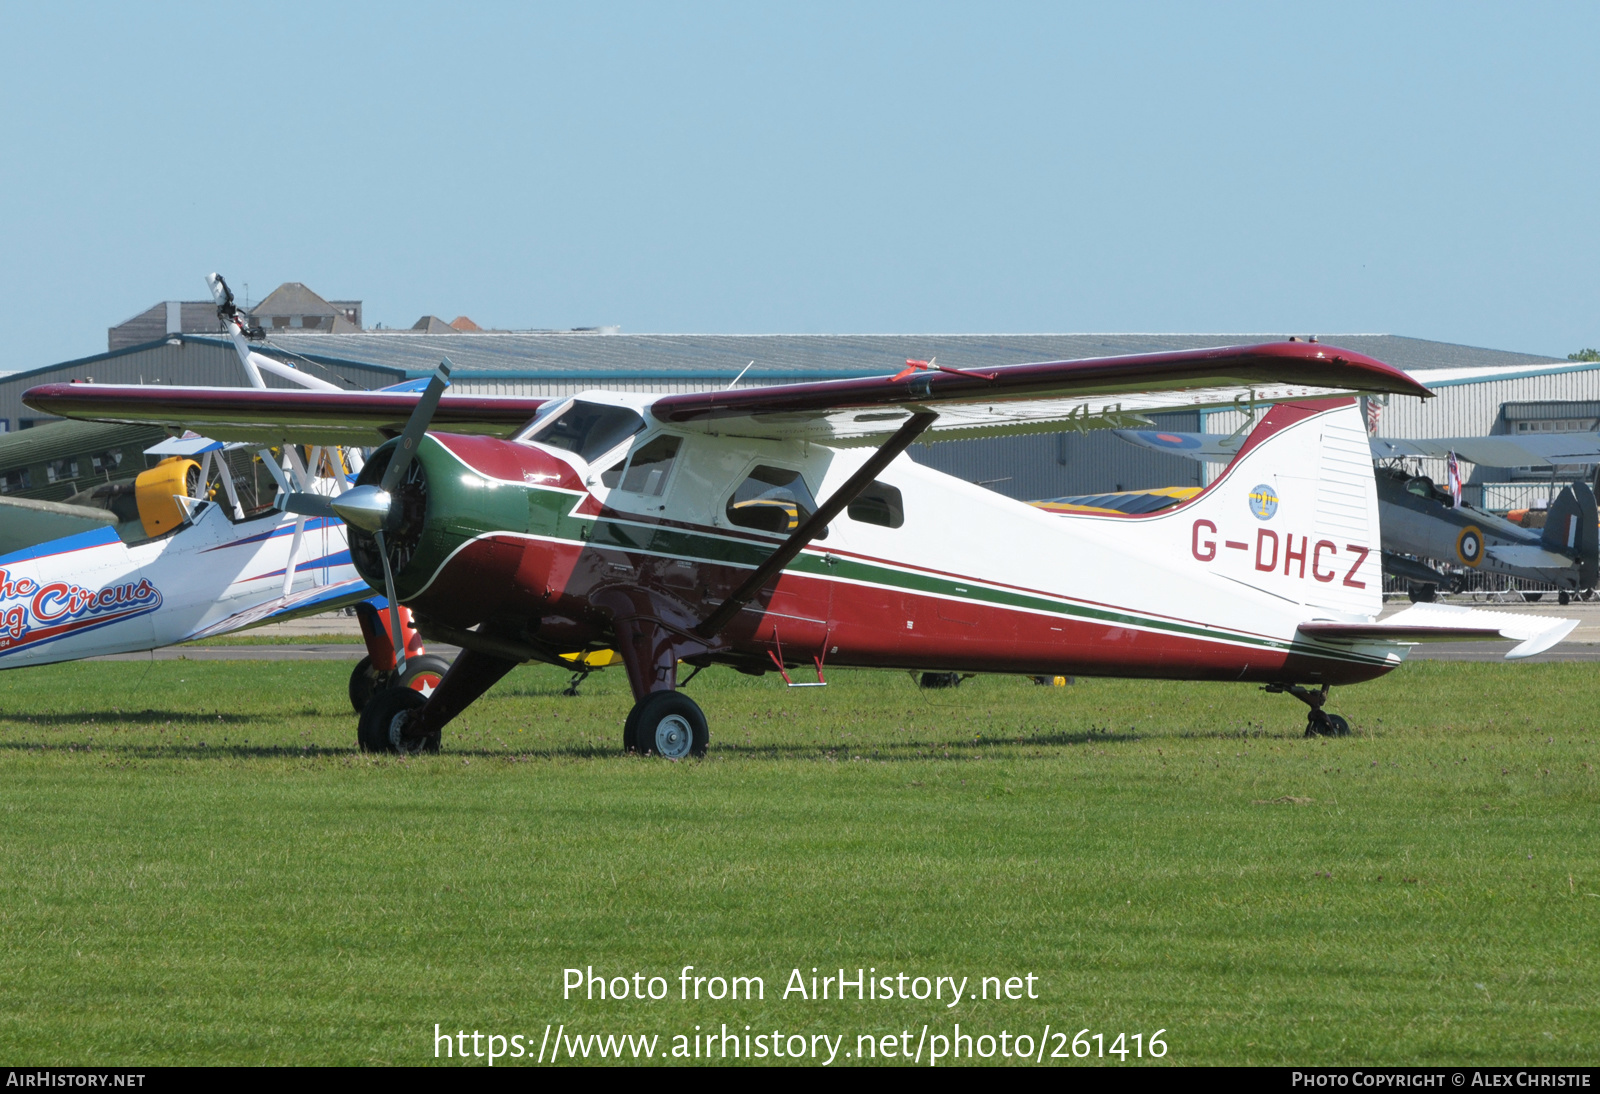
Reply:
x=371 y=507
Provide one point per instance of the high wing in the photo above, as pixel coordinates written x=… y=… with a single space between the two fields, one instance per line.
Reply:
x=1046 y=397
x=355 y=419
x=1049 y=397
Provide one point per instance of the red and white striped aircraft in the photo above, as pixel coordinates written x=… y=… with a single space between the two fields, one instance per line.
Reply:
x=771 y=527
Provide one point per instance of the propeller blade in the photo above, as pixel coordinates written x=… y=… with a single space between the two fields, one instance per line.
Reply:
x=415 y=428
x=308 y=505
x=394 y=607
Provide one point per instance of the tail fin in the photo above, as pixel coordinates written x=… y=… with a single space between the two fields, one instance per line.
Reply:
x=1572 y=528
x=1295 y=514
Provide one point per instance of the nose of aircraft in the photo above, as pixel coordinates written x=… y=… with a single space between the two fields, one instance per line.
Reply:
x=366 y=507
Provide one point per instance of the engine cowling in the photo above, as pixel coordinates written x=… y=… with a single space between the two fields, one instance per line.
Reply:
x=462 y=540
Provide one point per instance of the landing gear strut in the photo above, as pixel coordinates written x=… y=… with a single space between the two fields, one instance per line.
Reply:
x=1319 y=723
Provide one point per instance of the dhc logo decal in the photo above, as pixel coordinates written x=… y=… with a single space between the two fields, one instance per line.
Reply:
x=1263 y=502
x=31 y=613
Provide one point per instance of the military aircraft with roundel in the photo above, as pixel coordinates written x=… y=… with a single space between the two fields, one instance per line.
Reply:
x=782 y=527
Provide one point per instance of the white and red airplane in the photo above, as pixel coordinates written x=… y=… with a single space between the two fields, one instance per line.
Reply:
x=191 y=561
x=686 y=529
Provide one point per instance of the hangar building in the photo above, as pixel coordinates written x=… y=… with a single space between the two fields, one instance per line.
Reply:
x=183 y=347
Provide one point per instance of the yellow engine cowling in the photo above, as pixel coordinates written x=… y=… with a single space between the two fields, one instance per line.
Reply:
x=154 y=490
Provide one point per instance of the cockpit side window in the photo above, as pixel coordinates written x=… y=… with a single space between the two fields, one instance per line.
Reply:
x=588 y=430
x=878 y=504
x=771 y=499
x=646 y=471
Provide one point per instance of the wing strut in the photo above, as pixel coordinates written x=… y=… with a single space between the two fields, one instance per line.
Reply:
x=815 y=523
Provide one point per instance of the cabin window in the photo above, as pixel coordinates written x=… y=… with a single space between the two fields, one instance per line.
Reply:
x=878 y=504
x=771 y=499
x=646 y=471
x=12 y=481
x=588 y=430
x=61 y=470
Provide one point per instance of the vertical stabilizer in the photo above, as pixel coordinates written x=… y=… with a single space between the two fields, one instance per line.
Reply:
x=1572 y=528
x=1295 y=514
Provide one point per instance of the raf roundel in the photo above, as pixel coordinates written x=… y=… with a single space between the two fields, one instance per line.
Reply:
x=1263 y=502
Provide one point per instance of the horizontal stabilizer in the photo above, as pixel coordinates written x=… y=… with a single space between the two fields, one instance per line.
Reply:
x=1449 y=623
x=1528 y=557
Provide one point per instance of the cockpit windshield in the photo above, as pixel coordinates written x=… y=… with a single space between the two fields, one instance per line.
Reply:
x=588 y=430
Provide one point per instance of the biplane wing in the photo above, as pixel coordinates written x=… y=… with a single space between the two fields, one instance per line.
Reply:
x=1044 y=397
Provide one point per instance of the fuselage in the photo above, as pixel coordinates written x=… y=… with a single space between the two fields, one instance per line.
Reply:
x=92 y=594
x=530 y=541
x=1418 y=519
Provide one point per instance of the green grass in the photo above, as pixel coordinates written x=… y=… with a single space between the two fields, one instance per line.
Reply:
x=197 y=866
x=248 y=639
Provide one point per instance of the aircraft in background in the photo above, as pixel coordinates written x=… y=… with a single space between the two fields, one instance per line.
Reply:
x=157 y=557
x=1419 y=519
x=526 y=528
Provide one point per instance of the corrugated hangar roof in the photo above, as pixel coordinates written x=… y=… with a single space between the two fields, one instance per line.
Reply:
x=786 y=355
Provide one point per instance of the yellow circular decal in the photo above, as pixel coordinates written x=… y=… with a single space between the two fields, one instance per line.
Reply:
x=1469 y=546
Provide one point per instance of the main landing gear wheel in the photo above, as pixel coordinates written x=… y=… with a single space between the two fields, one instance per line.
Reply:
x=383 y=723
x=422 y=674
x=668 y=724
x=364 y=682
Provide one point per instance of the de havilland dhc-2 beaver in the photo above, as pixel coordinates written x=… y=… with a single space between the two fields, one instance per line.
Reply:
x=686 y=529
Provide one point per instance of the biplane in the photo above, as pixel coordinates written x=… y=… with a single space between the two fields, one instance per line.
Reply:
x=185 y=550
x=774 y=528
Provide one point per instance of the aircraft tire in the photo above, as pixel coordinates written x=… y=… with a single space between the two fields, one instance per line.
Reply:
x=373 y=731
x=628 y=742
x=671 y=725
x=1337 y=726
x=939 y=680
x=1564 y=598
x=424 y=673
x=364 y=681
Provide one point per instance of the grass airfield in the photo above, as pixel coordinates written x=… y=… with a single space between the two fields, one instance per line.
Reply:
x=197 y=867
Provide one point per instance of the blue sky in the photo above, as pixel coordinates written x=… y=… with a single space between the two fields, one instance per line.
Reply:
x=1416 y=169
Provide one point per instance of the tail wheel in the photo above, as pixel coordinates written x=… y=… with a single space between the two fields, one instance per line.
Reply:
x=1320 y=723
x=671 y=725
x=423 y=673
x=383 y=723
x=364 y=682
